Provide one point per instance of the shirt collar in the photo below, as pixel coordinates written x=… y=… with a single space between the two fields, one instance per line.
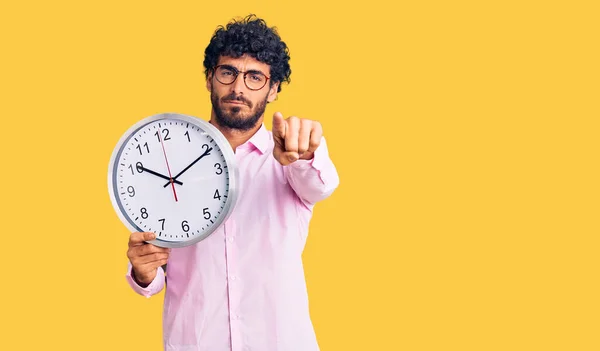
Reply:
x=260 y=139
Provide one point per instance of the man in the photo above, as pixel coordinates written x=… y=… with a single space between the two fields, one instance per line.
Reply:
x=243 y=287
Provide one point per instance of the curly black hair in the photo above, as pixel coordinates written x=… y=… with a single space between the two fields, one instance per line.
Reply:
x=251 y=36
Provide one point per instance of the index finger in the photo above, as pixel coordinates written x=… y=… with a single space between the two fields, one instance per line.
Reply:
x=279 y=125
x=138 y=238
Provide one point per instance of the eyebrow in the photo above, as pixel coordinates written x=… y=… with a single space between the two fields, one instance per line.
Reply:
x=230 y=67
x=237 y=70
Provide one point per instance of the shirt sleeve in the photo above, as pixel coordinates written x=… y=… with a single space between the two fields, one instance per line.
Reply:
x=153 y=288
x=313 y=180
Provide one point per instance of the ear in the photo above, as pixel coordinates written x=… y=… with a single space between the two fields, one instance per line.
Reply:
x=273 y=92
x=209 y=81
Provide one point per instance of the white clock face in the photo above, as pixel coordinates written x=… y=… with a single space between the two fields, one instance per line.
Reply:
x=173 y=176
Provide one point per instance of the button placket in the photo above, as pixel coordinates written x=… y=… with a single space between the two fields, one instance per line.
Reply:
x=234 y=294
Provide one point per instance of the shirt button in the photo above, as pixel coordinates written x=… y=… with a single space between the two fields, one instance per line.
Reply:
x=230 y=239
x=233 y=277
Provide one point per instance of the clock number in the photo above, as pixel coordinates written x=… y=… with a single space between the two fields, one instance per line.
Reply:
x=140 y=148
x=163 y=223
x=217 y=196
x=187 y=134
x=219 y=169
x=131 y=191
x=185 y=226
x=138 y=167
x=144 y=213
x=206 y=213
x=166 y=137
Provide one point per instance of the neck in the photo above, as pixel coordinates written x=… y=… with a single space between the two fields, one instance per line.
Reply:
x=235 y=137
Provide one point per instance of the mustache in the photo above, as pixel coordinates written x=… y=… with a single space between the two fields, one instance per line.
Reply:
x=233 y=97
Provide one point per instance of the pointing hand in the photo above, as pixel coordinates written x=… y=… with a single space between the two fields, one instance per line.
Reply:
x=295 y=138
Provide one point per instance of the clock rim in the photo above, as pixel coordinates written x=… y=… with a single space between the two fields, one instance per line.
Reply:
x=228 y=154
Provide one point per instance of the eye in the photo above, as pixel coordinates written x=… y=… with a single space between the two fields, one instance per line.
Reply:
x=257 y=77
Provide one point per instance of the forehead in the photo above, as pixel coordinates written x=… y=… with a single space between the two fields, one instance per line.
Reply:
x=244 y=63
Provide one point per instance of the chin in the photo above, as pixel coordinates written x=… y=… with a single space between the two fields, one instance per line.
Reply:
x=236 y=121
x=234 y=111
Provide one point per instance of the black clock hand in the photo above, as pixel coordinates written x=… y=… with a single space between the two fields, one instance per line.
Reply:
x=206 y=153
x=159 y=175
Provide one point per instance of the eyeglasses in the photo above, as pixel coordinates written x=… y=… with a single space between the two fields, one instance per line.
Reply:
x=254 y=80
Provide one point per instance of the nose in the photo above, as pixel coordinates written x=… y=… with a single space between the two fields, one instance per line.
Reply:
x=238 y=86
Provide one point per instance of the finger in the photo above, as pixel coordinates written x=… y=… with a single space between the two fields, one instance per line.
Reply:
x=146 y=249
x=147 y=268
x=291 y=134
x=315 y=137
x=304 y=135
x=138 y=238
x=149 y=249
x=279 y=126
x=146 y=259
x=140 y=251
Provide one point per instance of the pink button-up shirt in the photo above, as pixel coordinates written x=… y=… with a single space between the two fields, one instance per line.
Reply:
x=243 y=287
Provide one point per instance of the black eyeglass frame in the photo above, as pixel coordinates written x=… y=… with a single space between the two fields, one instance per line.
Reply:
x=237 y=73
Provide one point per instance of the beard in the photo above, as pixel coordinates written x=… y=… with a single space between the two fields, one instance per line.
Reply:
x=232 y=116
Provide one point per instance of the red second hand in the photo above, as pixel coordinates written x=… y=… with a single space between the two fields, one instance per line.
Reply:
x=167 y=162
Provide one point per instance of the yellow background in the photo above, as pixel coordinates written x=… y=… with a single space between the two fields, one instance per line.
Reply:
x=465 y=134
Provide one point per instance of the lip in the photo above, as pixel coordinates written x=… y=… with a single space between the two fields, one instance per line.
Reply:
x=234 y=102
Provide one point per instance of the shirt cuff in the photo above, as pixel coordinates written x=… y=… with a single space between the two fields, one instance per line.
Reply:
x=154 y=287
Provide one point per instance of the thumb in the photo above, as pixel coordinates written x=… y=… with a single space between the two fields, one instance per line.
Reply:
x=149 y=236
x=279 y=125
x=138 y=238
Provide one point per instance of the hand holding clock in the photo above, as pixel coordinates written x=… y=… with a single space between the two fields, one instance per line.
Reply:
x=295 y=138
x=145 y=258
